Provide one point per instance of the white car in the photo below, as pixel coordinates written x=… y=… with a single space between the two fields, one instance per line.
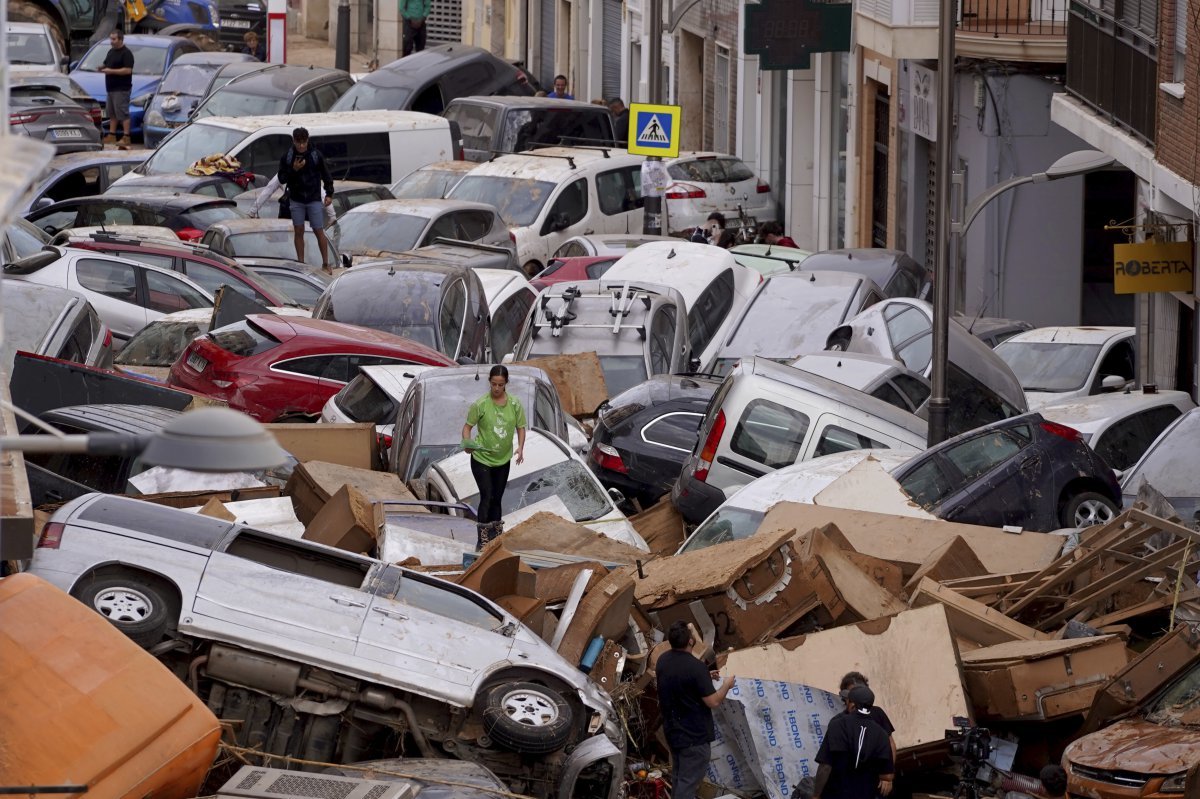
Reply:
x=618 y=244
x=509 y=298
x=769 y=258
x=551 y=471
x=1170 y=466
x=714 y=286
x=432 y=181
x=1058 y=363
x=1120 y=426
x=126 y=294
x=702 y=183
x=882 y=378
x=373 y=395
x=33 y=48
x=549 y=195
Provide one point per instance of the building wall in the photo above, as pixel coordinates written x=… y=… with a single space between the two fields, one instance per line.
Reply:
x=1178 y=118
x=714 y=22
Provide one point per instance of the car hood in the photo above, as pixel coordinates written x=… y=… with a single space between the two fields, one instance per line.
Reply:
x=93 y=84
x=1138 y=746
x=1037 y=399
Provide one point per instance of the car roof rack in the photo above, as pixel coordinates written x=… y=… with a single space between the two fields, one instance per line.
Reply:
x=570 y=159
x=118 y=237
x=556 y=309
x=599 y=145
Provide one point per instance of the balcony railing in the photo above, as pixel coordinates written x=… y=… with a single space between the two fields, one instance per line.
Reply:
x=1014 y=17
x=1113 y=68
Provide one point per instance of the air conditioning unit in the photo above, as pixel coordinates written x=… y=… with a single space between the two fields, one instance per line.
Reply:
x=253 y=782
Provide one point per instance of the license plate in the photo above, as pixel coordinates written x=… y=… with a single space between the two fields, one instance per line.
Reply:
x=235 y=23
x=197 y=362
x=66 y=133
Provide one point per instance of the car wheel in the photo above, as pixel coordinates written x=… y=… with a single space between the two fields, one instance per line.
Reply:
x=1087 y=509
x=527 y=718
x=136 y=604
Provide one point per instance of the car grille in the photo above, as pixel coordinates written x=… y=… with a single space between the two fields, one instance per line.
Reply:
x=1127 y=778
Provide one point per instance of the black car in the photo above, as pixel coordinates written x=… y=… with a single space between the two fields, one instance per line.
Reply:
x=1026 y=472
x=189 y=215
x=81 y=175
x=427 y=81
x=180 y=183
x=277 y=89
x=643 y=435
x=438 y=305
x=897 y=273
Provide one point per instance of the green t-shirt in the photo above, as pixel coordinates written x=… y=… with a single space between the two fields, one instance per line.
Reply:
x=496 y=425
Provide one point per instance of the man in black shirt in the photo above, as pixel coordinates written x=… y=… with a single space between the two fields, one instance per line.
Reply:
x=855 y=761
x=303 y=173
x=854 y=678
x=686 y=698
x=118 y=83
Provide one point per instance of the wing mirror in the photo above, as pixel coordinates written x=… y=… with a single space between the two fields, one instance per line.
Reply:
x=42 y=202
x=616 y=496
x=1112 y=383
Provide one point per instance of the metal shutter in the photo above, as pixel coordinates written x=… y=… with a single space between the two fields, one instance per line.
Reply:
x=445 y=22
x=546 y=45
x=611 y=37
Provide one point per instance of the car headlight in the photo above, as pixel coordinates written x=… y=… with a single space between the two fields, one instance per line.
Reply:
x=154 y=117
x=1174 y=783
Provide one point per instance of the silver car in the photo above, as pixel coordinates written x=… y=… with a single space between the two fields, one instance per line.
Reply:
x=333 y=649
x=43 y=112
x=389 y=227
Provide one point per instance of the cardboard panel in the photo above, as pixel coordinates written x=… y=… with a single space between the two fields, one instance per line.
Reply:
x=973 y=620
x=661 y=526
x=345 y=444
x=546 y=531
x=952 y=560
x=348 y=521
x=578 y=379
x=312 y=484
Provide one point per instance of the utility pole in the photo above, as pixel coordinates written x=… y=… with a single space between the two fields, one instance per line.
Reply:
x=939 y=400
x=341 y=56
x=652 y=221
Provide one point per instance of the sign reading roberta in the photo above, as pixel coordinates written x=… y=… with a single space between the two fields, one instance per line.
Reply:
x=1152 y=267
x=654 y=130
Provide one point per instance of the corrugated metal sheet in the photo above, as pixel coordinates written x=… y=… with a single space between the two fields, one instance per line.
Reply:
x=445 y=22
x=610 y=79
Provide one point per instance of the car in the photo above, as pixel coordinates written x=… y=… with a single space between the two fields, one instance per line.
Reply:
x=548 y=195
x=428 y=80
x=508 y=124
x=1169 y=466
x=189 y=215
x=1058 y=363
x=373 y=397
x=703 y=183
x=228 y=72
x=882 y=378
x=384 y=228
x=217 y=185
x=276 y=368
x=207 y=269
x=347 y=194
x=1120 y=426
x=304 y=283
x=597 y=244
x=979 y=383
x=766 y=416
x=21 y=240
x=471 y=254
x=992 y=330
x=75 y=175
x=643 y=435
x=184 y=86
x=153 y=55
x=769 y=258
x=636 y=330
x=790 y=314
x=51 y=321
x=126 y=294
x=443 y=659
x=573 y=269
x=551 y=471
x=259 y=240
x=432 y=181
x=894 y=271
x=714 y=286
x=32 y=47
x=64 y=84
x=44 y=113
x=275 y=90
x=1025 y=472
x=440 y=306
x=509 y=298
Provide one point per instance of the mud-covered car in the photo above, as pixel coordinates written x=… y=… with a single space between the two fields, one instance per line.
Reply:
x=333 y=654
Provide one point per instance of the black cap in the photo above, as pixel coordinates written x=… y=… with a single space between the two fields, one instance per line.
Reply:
x=862 y=697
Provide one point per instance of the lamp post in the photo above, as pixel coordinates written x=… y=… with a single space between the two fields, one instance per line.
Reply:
x=1077 y=163
x=341 y=53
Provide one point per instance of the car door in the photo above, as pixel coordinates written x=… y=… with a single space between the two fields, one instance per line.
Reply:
x=998 y=474
x=162 y=293
x=112 y=288
x=567 y=216
x=619 y=200
x=440 y=638
x=284 y=595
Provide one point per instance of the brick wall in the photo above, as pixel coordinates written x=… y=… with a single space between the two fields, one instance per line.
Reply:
x=1178 y=119
x=716 y=21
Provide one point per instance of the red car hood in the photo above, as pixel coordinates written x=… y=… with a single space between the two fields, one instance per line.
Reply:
x=1138 y=746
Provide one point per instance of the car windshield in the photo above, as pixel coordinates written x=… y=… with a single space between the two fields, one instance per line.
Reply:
x=188 y=79
x=147 y=60
x=1171 y=463
x=367 y=232
x=726 y=524
x=570 y=482
x=160 y=343
x=365 y=96
x=188 y=145
x=407 y=305
x=25 y=238
x=1049 y=365
x=622 y=372
x=231 y=103
x=426 y=184
x=272 y=244
x=1179 y=704
x=517 y=201
x=28 y=48
x=766 y=329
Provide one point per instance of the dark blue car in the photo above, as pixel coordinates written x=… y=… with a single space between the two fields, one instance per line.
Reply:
x=1024 y=471
x=183 y=87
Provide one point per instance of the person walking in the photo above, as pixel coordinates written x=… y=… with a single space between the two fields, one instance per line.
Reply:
x=686 y=697
x=854 y=761
x=616 y=107
x=560 y=89
x=255 y=46
x=853 y=678
x=414 y=13
x=497 y=415
x=118 y=83
x=303 y=173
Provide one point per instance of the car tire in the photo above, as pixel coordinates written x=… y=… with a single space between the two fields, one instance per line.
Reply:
x=527 y=718
x=138 y=605
x=1087 y=509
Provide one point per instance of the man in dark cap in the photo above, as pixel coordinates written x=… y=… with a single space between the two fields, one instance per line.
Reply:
x=854 y=678
x=855 y=760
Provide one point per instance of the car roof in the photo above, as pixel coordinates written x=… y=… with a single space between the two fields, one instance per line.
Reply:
x=659 y=389
x=26 y=27
x=216 y=57
x=854 y=369
x=515 y=371
x=111 y=417
x=283 y=77
x=178 y=201
x=554 y=163
x=499 y=284
x=333 y=332
x=446 y=166
x=1087 y=414
x=688 y=266
x=522 y=101
x=703 y=155
x=152 y=40
x=259 y=225
x=423 y=271
x=431 y=59
x=1071 y=335
x=423 y=207
x=317 y=123
x=802 y=481
x=982 y=326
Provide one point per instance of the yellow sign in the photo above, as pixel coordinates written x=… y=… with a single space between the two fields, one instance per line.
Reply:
x=1148 y=267
x=654 y=130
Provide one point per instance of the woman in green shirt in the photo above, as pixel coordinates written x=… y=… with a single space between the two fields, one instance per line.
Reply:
x=498 y=416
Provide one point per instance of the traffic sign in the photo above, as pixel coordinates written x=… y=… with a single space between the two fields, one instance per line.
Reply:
x=654 y=130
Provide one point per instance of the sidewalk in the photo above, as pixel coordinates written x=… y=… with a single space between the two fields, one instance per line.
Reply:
x=318 y=53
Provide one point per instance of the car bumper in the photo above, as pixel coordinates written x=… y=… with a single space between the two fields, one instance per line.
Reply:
x=1079 y=787
x=695 y=500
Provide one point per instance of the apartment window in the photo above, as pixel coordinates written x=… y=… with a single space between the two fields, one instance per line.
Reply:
x=1181 y=26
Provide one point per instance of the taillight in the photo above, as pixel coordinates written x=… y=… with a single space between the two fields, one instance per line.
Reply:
x=95 y=114
x=107 y=337
x=763 y=187
x=512 y=237
x=189 y=234
x=385 y=440
x=1062 y=431
x=685 y=191
x=607 y=458
x=22 y=119
x=709 y=452
x=51 y=537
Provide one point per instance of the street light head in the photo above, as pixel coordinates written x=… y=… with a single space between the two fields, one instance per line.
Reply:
x=214 y=440
x=1078 y=163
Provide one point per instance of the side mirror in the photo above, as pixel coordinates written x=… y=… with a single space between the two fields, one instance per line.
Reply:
x=42 y=202
x=616 y=496
x=465 y=360
x=1112 y=383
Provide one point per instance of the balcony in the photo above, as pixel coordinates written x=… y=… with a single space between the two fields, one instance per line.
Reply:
x=1013 y=30
x=1112 y=66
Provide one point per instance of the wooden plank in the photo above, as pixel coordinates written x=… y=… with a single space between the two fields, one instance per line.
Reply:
x=1149 y=606
x=973 y=620
x=955 y=558
x=661 y=527
x=1165 y=525
x=1036 y=582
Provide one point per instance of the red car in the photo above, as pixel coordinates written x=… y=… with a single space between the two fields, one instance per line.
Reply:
x=278 y=368
x=560 y=270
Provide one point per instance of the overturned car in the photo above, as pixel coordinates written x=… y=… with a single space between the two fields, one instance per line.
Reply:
x=329 y=656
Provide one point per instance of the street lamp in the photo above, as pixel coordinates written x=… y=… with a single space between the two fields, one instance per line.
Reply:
x=1077 y=163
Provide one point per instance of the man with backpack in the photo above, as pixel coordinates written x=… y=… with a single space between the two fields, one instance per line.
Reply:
x=303 y=172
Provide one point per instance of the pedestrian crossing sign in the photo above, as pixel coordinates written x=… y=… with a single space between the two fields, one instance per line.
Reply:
x=654 y=130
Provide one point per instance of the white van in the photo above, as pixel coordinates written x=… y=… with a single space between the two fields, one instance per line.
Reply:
x=371 y=146
x=549 y=195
